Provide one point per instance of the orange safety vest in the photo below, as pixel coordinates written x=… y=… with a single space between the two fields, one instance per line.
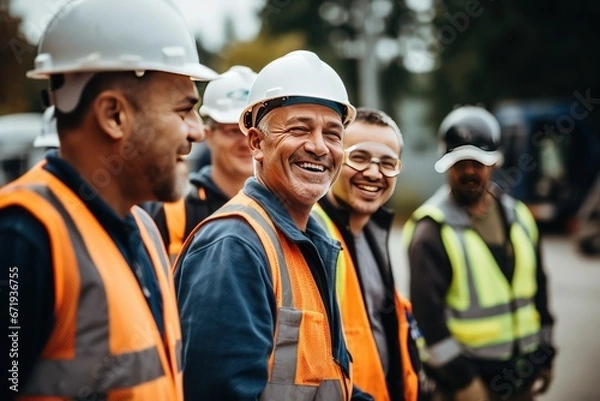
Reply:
x=301 y=365
x=105 y=342
x=367 y=369
x=175 y=219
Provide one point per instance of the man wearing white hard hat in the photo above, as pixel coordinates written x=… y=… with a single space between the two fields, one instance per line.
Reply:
x=478 y=287
x=97 y=317
x=256 y=280
x=231 y=162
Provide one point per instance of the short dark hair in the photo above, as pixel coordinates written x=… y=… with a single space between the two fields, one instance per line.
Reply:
x=127 y=82
x=378 y=117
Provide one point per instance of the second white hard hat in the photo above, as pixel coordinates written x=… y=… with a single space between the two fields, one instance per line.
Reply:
x=48 y=138
x=225 y=97
x=298 y=77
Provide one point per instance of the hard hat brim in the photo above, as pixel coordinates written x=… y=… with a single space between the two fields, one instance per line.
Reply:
x=246 y=118
x=196 y=72
x=222 y=117
x=467 y=152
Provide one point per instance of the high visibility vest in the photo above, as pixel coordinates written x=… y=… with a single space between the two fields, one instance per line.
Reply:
x=367 y=369
x=301 y=365
x=176 y=221
x=488 y=315
x=105 y=343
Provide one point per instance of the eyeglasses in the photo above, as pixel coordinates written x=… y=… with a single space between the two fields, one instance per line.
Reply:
x=360 y=160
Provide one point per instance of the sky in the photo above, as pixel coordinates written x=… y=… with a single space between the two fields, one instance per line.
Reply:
x=205 y=18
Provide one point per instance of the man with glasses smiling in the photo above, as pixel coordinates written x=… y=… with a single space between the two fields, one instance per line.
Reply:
x=377 y=320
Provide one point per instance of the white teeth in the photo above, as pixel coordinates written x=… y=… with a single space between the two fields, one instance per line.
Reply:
x=369 y=188
x=312 y=166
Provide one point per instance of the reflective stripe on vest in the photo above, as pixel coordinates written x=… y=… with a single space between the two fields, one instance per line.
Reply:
x=99 y=347
x=367 y=369
x=297 y=371
x=487 y=314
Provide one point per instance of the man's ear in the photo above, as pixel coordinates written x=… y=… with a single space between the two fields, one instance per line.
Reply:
x=113 y=114
x=255 y=141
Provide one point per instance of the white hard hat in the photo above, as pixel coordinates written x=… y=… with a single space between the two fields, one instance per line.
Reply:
x=298 y=77
x=225 y=97
x=89 y=36
x=48 y=138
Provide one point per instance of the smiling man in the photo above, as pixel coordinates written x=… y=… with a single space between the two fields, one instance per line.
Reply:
x=376 y=318
x=255 y=281
x=477 y=283
x=93 y=283
x=231 y=161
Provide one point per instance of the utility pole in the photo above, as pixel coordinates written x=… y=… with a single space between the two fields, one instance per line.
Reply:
x=367 y=18
x=368 y=64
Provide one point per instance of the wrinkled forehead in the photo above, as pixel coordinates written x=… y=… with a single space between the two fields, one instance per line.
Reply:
x=306 y=113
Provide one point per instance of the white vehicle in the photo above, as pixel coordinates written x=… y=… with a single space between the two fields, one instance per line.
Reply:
x=17 y=154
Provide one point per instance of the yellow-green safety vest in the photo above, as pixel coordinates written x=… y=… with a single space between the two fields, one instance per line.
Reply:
x=488 y=315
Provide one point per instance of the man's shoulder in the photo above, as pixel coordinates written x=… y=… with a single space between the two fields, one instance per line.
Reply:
x=21 y=225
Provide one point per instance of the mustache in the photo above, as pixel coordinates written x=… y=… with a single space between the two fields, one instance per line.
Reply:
x=309 y=157
x=465 y=179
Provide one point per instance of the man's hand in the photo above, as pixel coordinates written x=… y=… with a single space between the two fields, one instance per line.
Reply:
x=475 y=391
x=542 y=383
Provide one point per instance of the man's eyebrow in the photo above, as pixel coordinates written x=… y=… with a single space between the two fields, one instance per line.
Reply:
x=190 y=100
x=301 y=119
x=311 y=120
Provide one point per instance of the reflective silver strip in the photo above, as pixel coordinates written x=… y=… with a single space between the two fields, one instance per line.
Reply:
x=328 y=390
x=545 y=335
x=443 y=352
x=285 y=357
x=87 y=375
x=501 y=351
x=529 y=343
x=154 y=236
x=477 y=313
x=93 y=371
x=179 y=355
x=286 y=287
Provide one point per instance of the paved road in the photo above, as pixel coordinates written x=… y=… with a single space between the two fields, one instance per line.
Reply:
x=575 y=300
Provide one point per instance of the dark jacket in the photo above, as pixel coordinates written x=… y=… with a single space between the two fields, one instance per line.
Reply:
x=377 y=232
x=227 y=304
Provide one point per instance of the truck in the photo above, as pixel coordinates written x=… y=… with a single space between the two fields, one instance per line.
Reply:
x=551 y=154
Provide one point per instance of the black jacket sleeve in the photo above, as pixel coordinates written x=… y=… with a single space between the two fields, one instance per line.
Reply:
x=27 y=293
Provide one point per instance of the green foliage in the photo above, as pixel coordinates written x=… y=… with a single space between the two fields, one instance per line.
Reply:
x=517 y=50
x=17 y=93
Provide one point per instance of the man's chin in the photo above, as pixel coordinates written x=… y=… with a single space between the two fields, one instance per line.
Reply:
x=468 y=197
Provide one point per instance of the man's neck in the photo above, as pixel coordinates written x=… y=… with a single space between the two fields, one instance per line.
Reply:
x=229 y=185
x=480 y=207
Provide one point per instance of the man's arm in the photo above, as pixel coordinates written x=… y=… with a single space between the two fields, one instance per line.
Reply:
x=430 y=278
x=27 y=293
x=227 y=310
x=542 y=305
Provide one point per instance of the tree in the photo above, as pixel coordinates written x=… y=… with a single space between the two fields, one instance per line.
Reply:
x=18 y=94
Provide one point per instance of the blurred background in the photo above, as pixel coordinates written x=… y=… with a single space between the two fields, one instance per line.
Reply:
x=534 y=64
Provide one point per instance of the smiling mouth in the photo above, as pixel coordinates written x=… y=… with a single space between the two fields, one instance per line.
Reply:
x=368 y=188
x=315 y=168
